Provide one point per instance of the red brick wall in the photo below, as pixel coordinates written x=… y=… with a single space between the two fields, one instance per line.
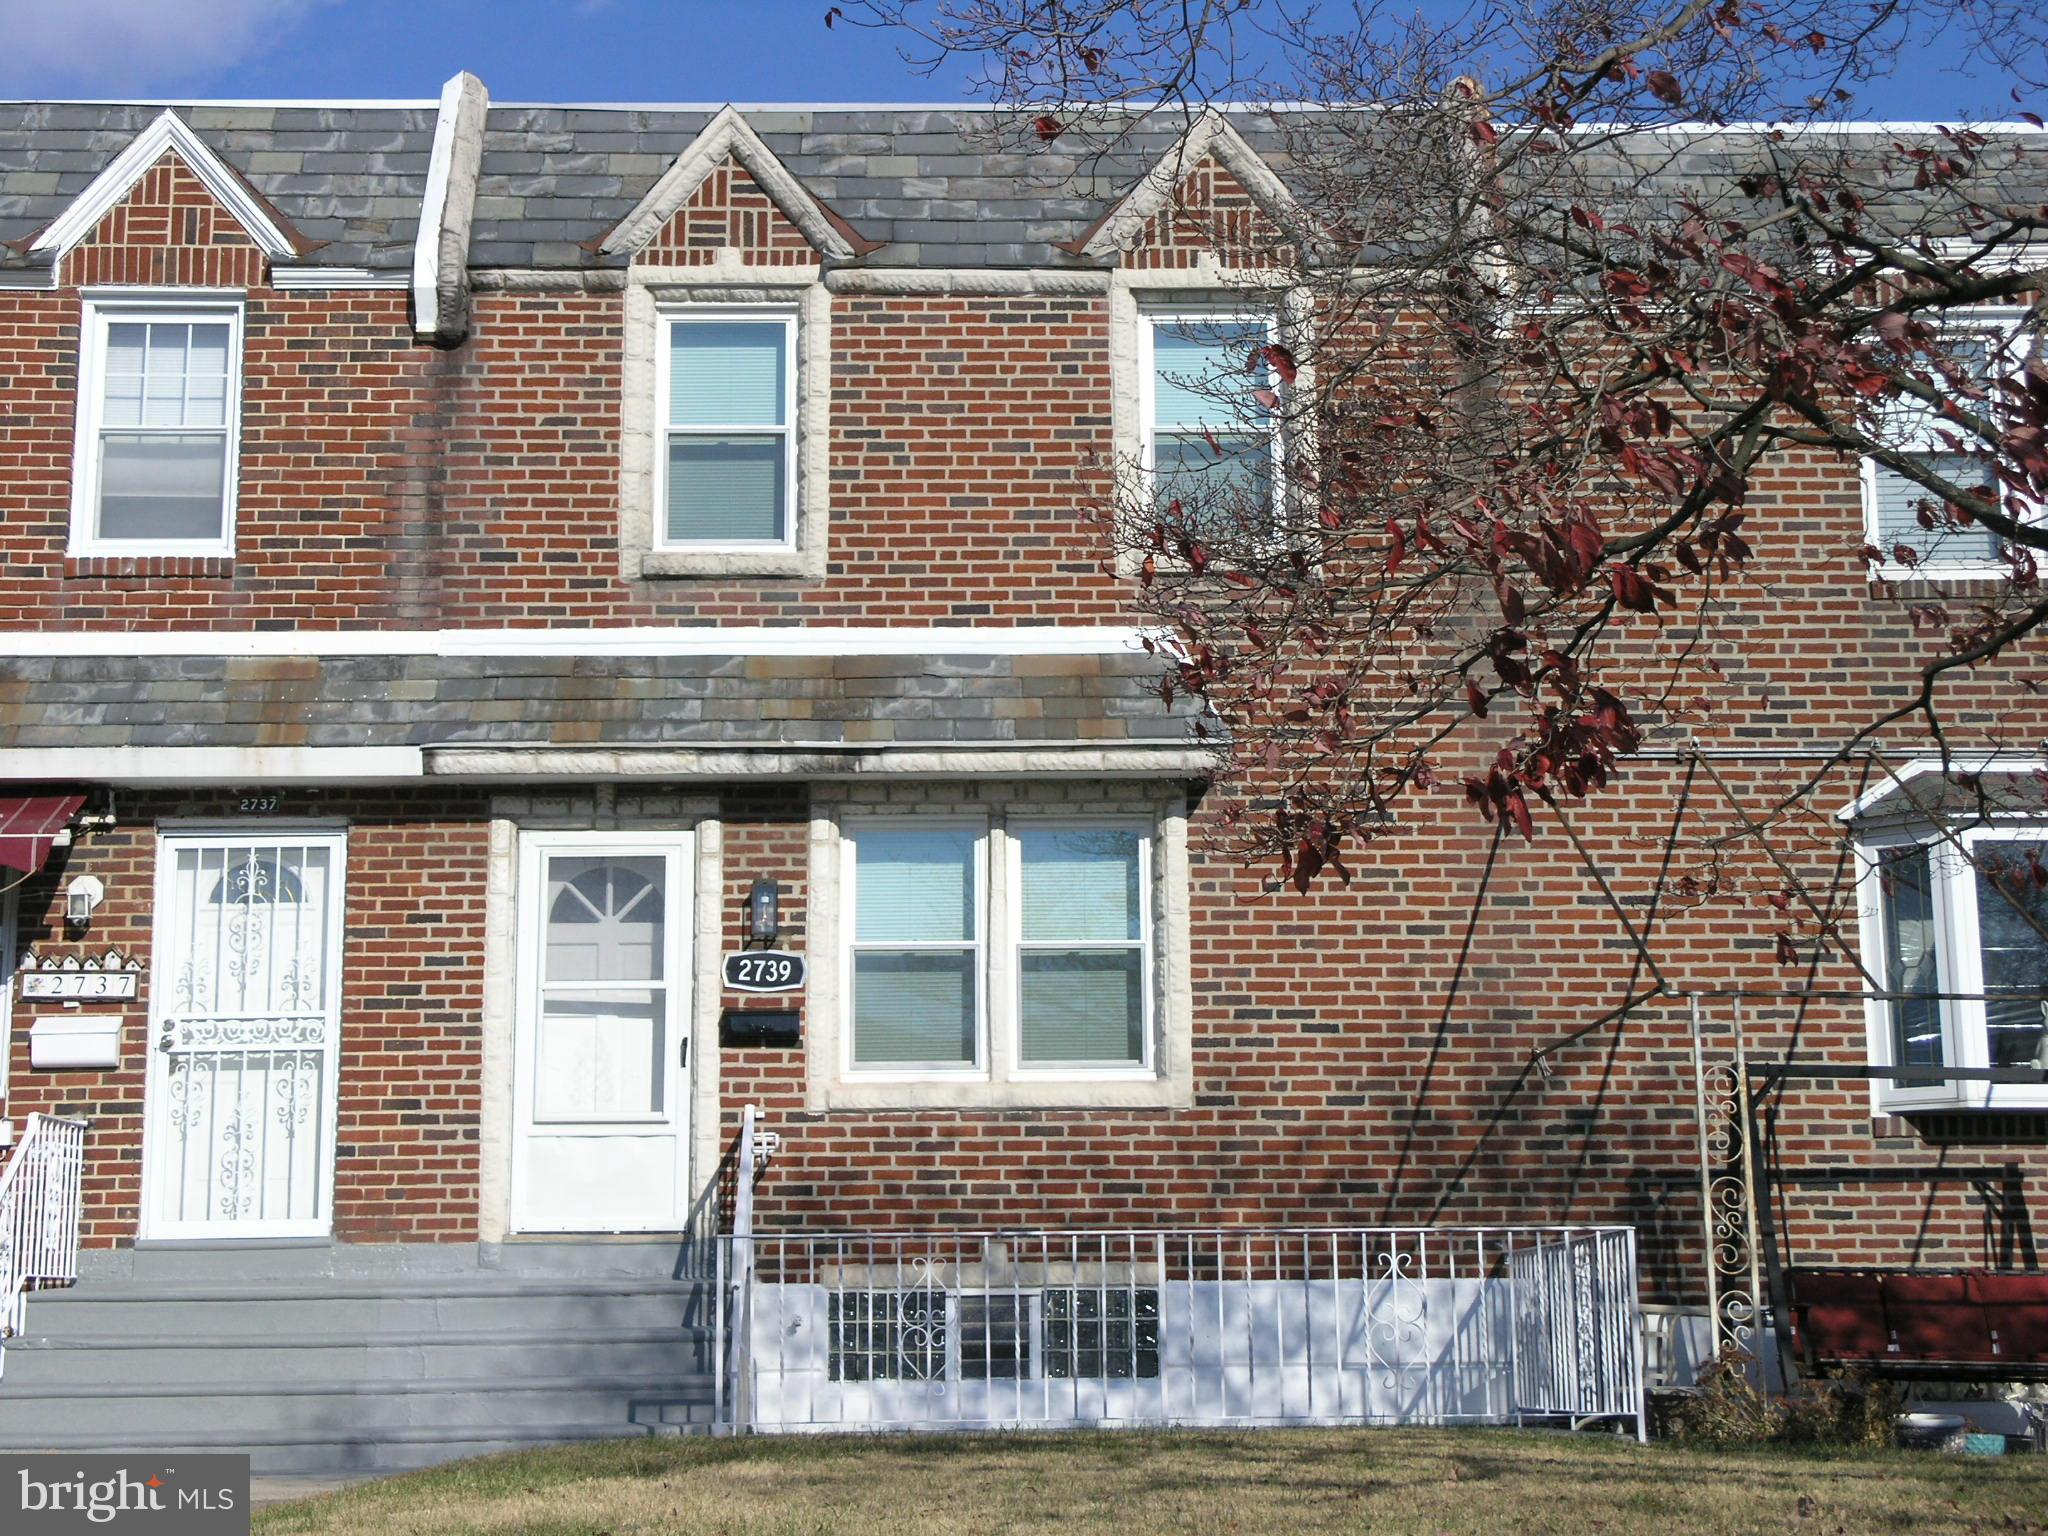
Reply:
x=728 y=209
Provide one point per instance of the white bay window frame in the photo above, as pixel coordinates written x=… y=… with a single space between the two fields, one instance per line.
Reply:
x=103 y=310
x=1959 y=965
x=675 y=318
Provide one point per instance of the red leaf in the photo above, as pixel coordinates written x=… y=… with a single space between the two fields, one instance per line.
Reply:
x=1308 y=860
x=1475 y=698
x=1267 y=398
x=833 y=15
x=1049 y=128
x=1283 y=363
x=1484 y=132
x=1397 y=549
x=1518 y=810
x=1664 y=86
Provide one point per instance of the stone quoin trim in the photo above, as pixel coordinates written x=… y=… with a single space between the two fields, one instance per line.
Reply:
x=440 y=264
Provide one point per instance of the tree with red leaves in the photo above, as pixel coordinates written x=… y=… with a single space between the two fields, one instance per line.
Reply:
x=1549 y=316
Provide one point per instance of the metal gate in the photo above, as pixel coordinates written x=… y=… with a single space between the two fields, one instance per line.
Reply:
x=245 y=1009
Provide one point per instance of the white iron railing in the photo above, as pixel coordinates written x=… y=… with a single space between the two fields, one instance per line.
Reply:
x=39 y=1206
x=1225 y=1325
x=733 y=1291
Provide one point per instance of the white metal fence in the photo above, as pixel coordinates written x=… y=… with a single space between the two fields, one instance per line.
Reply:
x=39 y=1208
x=1226 y=1326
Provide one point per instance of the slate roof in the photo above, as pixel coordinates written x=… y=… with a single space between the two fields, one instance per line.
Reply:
x=582 y=700
x=939 y=186
x=350 y=177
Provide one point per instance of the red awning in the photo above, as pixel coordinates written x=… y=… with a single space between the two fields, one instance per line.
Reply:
x=29 y=825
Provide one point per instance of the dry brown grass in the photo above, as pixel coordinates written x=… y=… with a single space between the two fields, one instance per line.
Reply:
x=1297 y=1482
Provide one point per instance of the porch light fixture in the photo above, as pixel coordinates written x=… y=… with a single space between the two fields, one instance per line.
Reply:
x=764 y=911
x=81 y=896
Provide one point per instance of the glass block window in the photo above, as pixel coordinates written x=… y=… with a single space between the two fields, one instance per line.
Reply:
x=1108 y=1332
x=728 y=460
x=1209 y=441
x=887 y=1335
x=916 y=954
x=159 y=419
x=1082 y=944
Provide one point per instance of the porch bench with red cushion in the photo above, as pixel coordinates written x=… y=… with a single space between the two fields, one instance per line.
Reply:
x=1921 y=1322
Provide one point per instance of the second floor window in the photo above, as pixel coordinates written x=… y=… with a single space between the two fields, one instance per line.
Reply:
x=1905 y=520
x=159 y=408
x=727 y=404
x=1210 y=442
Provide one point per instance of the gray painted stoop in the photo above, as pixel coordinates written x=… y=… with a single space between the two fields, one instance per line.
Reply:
x=365 y=1359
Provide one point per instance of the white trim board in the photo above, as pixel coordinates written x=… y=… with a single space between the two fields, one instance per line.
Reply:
x=213 y=765
x=701 y=640
x=168 y=133
x=296 y=279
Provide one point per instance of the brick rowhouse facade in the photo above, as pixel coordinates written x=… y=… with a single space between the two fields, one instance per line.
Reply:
x=1410 y=1048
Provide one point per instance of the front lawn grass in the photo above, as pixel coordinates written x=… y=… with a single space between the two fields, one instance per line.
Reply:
x=1289 y=1482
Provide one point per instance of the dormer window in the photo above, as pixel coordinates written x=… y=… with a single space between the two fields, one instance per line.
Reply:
x=728 y=407
x=1916 y=534
x=1211 y=443
x=159 y=417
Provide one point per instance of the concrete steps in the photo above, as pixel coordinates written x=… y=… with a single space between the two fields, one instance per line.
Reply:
x=342 y=1359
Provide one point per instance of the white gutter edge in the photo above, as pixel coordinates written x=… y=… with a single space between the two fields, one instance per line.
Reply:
x=700 y=640
x=920 y=760
x=216 y=766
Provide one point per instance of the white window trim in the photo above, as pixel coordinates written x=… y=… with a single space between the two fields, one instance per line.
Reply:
x=652 y=291
x=1959 y=965
x=1146 y=944
x=1987 y=320
x=1149 y=322
x=10 y=917
x=849 y=848
x=168 y=307
x=1168 y=1081
x=672 y=318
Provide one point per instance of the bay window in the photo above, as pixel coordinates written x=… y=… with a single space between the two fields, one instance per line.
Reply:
x=1955 y=934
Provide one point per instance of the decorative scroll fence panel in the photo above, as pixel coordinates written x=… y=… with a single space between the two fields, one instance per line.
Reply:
x=39 y=1207
x=1238 y=1326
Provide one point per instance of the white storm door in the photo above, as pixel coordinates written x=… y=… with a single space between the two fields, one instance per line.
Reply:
x=245 y=1014
x=601 y=1114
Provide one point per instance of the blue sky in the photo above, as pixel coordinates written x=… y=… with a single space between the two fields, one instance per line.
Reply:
x=565 y=50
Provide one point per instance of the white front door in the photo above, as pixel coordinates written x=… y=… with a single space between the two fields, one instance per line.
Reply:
x=600 y=1084
x=245 y=1016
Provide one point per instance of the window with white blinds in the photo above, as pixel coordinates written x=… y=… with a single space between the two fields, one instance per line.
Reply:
x=1073 y=932
x=1083 y=981
x=728 y=405
x=916 y=953
x=1209 y=441
x=158 y=425
x=1912 y=527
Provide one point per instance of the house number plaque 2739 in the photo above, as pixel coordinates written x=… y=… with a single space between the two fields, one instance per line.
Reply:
x=764 y=970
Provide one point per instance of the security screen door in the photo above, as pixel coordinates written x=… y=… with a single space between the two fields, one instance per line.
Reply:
x=601 y=1113
x=245 y=1011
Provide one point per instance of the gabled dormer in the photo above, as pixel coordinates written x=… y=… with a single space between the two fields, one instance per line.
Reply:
x=168 y=212
x=728 y=192
x=1209 y=201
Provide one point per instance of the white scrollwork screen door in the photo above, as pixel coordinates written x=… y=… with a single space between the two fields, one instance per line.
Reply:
x=245 y=1007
